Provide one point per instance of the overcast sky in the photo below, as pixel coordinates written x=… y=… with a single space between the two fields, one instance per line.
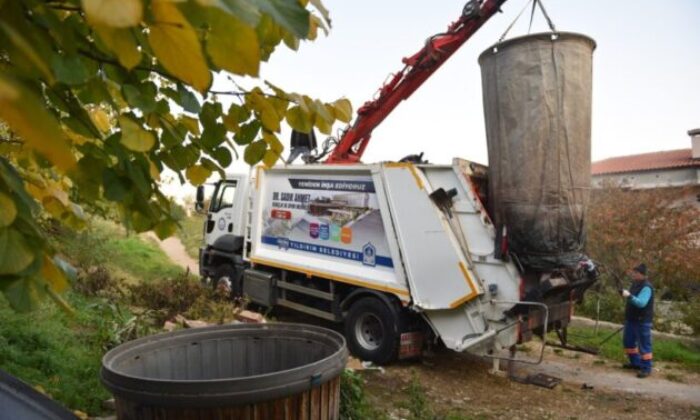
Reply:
x=646 y=72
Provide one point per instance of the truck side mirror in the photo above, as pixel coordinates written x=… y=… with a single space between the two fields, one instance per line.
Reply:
x=199 y=200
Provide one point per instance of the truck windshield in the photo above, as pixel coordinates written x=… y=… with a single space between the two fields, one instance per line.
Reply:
x=223 y=197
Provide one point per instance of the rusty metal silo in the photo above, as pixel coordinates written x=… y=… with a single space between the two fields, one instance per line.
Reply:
x=537 y=107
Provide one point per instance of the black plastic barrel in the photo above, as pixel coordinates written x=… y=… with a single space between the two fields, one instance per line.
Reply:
x=243 y=371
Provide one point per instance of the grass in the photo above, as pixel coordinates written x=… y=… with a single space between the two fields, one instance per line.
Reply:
x=126 y=256
x=190 y=233
x=59 y=354
x=665 y=350
x=62 y=354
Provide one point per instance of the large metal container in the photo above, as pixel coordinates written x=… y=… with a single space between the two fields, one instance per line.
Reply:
x=244 y=371
x=537 y=107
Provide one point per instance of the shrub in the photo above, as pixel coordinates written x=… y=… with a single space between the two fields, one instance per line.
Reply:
x=655 y=226
x=97 y=281
x=169 y=297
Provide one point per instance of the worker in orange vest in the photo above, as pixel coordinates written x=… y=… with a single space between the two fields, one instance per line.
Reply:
x=639 y=315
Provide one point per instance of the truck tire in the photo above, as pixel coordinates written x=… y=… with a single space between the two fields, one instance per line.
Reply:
x=226 y=276
x=372 y=330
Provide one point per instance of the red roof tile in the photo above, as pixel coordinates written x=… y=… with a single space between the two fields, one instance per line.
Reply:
x=645 y=162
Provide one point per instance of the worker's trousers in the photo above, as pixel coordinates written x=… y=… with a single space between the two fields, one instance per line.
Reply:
x=637 y=341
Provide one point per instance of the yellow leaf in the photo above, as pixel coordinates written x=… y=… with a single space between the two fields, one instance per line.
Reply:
x=165 y=229
x=270 y=158
x=100 y=119
x=268 y=116
x=153 y=170
x=197 y=174
x=192 y=124
x=27 y=116
x=15 y=252
x=121 y=43
x=134 y=137
x=176 y=45
x=232 y=45
x=299 y=120
x=8 y=210
x=273 y=142
x=323 y=126
x=343 y=110
x=114 y=13
x=55 y=278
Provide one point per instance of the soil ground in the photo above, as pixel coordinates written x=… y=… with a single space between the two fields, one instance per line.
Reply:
x=461 y=385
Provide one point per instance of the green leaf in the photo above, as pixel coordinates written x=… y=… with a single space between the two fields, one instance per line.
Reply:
x=72 y=69
x=236 y=114
x=116 y=188
x=197 y=174
x=291 y=15
x=213 y=135
x=188 y=100
x=299 y=120
x=254 y=152
x=114 y=13
x=176 y=45
x=322 y=10
x=8 y=210
x=15 y=252
x=142 y=96
x=165 y=229
x=232 y=45
x=247 y=133
x=223 y=156
x=25 y=294
x=25 y=47
x=134 y=137
x=26 y=115
x=242 y=9
x=211 y=111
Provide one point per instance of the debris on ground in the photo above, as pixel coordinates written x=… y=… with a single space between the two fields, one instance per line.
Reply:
x=250 y=317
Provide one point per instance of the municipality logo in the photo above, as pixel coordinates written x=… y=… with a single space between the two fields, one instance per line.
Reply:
x=369 y=254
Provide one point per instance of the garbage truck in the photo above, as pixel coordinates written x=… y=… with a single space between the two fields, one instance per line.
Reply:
x=406 y=253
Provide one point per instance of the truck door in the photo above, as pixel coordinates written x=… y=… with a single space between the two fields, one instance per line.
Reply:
x=222 y=218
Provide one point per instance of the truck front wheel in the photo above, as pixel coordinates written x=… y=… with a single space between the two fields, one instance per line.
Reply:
x=372 y=330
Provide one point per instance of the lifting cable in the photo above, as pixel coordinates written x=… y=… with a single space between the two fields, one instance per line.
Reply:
x=535 y=4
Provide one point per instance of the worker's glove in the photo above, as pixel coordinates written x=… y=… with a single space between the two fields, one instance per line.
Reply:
x=625 y=293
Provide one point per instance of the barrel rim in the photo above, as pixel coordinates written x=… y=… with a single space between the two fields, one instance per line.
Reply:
x=229 y=391
x=508 y=43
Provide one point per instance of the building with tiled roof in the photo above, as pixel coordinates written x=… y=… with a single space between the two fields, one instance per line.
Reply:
x=672 y=168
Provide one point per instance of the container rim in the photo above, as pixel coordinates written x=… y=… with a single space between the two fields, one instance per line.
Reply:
x=545 y=36
x=233 y=390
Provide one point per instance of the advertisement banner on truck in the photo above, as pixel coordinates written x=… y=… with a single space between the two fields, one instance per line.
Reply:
x=329 y=217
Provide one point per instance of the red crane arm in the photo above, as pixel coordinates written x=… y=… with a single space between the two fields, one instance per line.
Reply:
x=418 y=68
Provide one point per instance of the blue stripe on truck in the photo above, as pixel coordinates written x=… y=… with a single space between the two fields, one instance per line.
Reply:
x=325 y=250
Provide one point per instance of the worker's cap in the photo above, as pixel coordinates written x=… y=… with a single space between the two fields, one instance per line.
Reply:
x=641 y=269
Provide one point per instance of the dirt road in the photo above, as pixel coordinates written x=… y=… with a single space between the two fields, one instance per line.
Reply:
x=462 y=386
x=175 y=250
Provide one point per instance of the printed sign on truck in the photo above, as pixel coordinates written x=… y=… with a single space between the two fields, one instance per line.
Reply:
x=332 y=217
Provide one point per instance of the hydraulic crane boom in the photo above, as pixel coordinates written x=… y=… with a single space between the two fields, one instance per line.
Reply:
x=418 y=68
